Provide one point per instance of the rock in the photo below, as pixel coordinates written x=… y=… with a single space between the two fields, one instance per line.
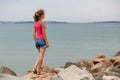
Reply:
x=6 y=70
x=31 y=75
x=99 y=75
x=85 y=64
x=116 y=64
x=85 y=78
x=58 y=70
x=57 y=77
x=75 y=73
x=50 y=70
x=47 y=73
x=117 y=54
x=100 y=64
x=45 y=68
x=115 y=70
x=113 y=59
x=116 y=57
x=68 y=64
x=81 y=64
x=10 y=77
x=107 y=62
x=99 y=67
x=110 y=78
x=98 y=58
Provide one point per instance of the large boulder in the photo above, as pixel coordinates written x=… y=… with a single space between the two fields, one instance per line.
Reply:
x=6 y=70
x=75 y=73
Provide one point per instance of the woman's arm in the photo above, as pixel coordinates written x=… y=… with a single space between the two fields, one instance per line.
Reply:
x=44 y=34
x=34 y=35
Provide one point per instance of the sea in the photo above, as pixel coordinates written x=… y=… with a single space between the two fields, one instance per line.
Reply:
x=69 y=42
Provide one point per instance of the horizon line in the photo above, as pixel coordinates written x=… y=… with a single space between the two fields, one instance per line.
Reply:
x=27 y=21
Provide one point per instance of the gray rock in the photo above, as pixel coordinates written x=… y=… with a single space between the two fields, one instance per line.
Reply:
x=68 y=64
x=75 y=73
x=6 y=70
x=115 y=70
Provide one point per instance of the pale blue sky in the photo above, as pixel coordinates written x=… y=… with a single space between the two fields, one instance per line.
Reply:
x=61 y=10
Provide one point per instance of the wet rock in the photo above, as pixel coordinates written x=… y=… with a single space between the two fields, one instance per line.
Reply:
x=6 y=70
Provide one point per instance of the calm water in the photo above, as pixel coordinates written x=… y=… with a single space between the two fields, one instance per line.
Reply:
x=68 y=42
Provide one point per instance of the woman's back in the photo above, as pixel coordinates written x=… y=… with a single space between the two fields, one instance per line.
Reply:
x=38 y=30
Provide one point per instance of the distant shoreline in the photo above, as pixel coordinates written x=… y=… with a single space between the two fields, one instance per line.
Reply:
x=58 y=22
x=30 y=22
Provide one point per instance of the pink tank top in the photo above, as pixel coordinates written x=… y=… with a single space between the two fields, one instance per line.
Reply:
x=38 y=30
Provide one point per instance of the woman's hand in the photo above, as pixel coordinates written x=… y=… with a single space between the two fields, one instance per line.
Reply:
x=47 y=45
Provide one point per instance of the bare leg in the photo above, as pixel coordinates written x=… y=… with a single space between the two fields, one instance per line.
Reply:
x=37 y=61
x=40 y=59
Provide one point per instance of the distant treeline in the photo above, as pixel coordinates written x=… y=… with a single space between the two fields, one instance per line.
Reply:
x=108 y=22
x=30 y=22
x=57 y=22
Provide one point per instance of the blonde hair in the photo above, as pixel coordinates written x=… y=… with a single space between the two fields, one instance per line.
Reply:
x=38 y=14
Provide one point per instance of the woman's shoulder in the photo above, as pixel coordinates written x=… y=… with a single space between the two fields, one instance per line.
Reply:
x=42 y=22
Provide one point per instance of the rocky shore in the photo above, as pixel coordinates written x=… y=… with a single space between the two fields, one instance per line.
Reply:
x=97 y=68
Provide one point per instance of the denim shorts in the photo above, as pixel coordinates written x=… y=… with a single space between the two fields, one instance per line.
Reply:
x=40 y=43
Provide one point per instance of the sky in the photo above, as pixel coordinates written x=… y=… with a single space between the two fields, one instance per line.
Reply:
x=61 y=10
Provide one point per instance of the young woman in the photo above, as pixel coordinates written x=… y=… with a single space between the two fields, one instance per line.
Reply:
x=40 y=37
